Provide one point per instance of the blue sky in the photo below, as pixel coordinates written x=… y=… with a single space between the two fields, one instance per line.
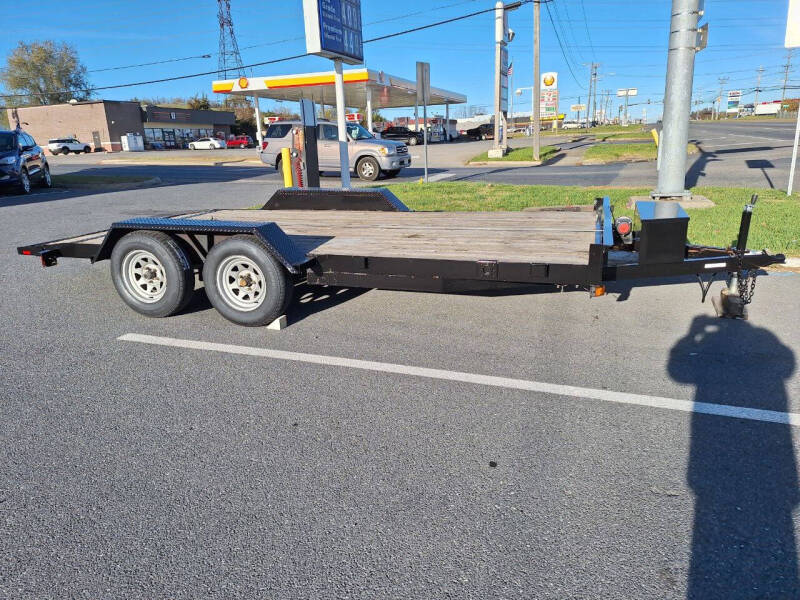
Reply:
x=628 y=38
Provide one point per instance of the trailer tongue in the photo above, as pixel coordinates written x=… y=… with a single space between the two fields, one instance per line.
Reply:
x=249 y=260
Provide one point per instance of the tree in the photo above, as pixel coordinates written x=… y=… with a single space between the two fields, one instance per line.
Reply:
x=198 y=102
x=45 y=73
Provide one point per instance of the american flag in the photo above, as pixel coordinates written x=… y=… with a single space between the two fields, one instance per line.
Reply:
x=510 y=71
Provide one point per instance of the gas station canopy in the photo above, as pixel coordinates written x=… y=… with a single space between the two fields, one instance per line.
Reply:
x=362 y=88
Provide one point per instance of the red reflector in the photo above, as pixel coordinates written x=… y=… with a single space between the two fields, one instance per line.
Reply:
x=264 y=145
x=26 y=252
x=623 y=227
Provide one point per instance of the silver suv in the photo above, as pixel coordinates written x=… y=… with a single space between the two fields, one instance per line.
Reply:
x=369 y=156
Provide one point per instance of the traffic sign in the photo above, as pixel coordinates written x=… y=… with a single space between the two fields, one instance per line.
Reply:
x=577 y=107
x=333 y=29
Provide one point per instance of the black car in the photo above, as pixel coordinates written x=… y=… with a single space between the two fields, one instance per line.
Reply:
x=22 y=161
x=481 y=132
x=403 y=134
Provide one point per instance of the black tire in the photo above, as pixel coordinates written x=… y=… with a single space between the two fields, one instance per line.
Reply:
x=191 y=147
x=368 y=169
x=86 y=150
x=46 y=181
x=278 y=163
x=177 y=280
x=65 y=150
x=245 y=304
x=391 y=173
x=24 y=186
x=413 y=141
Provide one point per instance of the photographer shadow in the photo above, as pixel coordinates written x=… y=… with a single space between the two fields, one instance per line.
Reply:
x=742 y=472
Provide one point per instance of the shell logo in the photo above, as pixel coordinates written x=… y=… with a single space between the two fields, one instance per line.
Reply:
x=243 y=82
x=549 y=80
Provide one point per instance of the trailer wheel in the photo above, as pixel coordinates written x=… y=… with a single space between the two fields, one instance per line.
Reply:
x=152 y=273
x=245 y=283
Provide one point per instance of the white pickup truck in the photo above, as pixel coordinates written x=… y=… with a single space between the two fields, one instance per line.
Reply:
x=67 y=145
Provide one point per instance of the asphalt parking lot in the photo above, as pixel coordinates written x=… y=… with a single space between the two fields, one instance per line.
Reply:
x=509 y=446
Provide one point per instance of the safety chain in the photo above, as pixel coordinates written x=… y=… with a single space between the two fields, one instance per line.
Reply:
x=747 y=285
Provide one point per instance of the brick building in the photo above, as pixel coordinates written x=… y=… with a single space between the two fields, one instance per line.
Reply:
x=101 y=123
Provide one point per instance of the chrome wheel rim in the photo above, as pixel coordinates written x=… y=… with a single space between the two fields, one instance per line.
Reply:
x=26 y=181
x=367 y=169
x=241 y=283
x=144 y=276
x=47 y=178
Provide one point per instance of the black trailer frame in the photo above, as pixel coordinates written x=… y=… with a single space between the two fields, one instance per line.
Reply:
x=658 y=249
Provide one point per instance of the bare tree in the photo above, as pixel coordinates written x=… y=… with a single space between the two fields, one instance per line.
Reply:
x=44 y=73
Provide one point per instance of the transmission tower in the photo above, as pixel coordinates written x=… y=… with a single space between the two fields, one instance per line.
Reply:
x=230 y=61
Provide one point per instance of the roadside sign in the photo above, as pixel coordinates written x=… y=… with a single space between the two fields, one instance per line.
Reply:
x=628 y=92
x=734 y=97
x=503 y=79
x=548 y=103
x=333 y=29
x=423 y=82
x=577 y=107
x=793 y=25
x=549 y=81
x=353 y=117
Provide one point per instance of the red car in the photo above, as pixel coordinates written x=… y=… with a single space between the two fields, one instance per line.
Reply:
x=241 y=141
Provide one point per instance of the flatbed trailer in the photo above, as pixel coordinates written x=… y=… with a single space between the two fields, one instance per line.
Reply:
x=249 y=260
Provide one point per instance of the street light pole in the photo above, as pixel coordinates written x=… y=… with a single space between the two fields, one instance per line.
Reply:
x=537 y=90
x=683 y=42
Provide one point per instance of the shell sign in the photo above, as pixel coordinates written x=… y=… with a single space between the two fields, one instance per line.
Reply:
x=550 y=81
x=243 y=82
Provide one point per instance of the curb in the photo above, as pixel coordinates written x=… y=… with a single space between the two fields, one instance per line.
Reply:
x=130 y=185
x=506 y=163
x=245 y=163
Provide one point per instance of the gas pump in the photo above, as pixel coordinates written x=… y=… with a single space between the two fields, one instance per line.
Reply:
x=304 y=159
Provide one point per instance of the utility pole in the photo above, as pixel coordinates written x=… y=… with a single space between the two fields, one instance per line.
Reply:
x=537 y=76
x=722 y=82
x=683 y=45
x=589 y=96
x=594 y=89
x=787 y=66
x=758 y=85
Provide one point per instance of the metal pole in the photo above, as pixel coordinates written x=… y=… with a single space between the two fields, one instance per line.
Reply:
x=369 y=110
x=627 y=95
x=589 y=96
x=425 y=134
x=537 y=90
x=678 y=99
x=794 y=154
x=788 y=66
x=344 y=159
x=259 y=124
x=447 y=122
x=511 y=100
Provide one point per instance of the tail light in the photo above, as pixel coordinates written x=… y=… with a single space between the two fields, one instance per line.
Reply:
x=264 y=145
x=624 y=229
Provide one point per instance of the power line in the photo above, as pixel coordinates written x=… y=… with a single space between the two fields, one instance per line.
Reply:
x=586 y=24
x=563 y=53
x=257 y=64
x=147 y=64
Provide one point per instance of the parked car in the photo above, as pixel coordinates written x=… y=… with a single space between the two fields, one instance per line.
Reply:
x=67 y=145
x=207 y=144
x=369 y=156
x=481 y=132
x=402 y=134
x=241 y=141
x=22 y=161
x=571 y=125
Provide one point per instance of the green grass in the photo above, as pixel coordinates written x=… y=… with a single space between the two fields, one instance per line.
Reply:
x=620 y=152
x=72 y=179
x=629 y=135
x=775 y=225
x=520 y=154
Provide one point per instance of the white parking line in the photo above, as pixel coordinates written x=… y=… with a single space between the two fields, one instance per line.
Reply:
x=722 y=410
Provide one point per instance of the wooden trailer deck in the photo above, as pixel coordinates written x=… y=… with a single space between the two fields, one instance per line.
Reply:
x=561 y=237
x=557 y=237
